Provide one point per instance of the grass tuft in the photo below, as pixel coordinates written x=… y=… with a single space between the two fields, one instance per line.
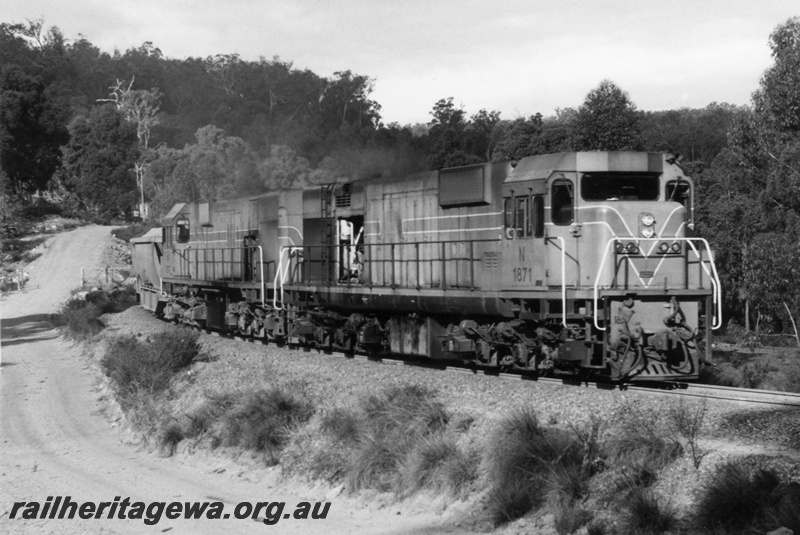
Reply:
x=529 y=462
x=262 y=420
x=437 y=462
x=80 y=317
x=568 y=517
x=138 y=366
x=646 y=514
x=341 y=424
x=395 y=423
x=733 y=501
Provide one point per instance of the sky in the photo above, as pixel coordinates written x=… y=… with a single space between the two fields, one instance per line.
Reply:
x=519 y=57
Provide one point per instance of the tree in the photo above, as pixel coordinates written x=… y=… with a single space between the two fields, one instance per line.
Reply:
x=98 y=162
x=762 y=163
x=607 y=120
x=140 y=108
x=284 y=169
x=215 y=167
x=453 y=140
x=778 y=99
x=31 y=131
x=346 y=101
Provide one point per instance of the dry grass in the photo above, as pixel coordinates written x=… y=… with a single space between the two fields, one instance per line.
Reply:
x=262 y=421
x=146 y=367
x=393 y=424
x=79 y=318
x=737 y=502
x=529 y=462
x=647 y=514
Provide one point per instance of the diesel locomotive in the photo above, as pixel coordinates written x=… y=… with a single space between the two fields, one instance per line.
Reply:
x=565 y=264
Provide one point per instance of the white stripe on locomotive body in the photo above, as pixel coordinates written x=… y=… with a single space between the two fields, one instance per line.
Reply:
x=460 y=216
x=448 y=219
x=440 y=231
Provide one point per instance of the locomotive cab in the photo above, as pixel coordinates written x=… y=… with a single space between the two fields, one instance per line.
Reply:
x=608 y=236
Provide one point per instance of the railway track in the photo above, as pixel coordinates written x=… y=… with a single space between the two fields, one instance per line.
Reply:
x=671 y=388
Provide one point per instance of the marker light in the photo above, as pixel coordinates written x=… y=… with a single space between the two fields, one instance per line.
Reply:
x=676 y=247
x=663 y=248
x=631 y=248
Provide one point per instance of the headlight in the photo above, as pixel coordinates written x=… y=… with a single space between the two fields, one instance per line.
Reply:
x=648 y=220
x=648 y=232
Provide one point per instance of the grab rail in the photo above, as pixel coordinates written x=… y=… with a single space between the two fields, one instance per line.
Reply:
x=563 y=278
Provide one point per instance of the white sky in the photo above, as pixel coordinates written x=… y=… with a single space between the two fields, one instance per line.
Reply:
x=516 y=56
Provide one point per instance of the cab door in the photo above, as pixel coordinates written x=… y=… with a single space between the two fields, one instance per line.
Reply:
x=523 y=241
x=561 y=233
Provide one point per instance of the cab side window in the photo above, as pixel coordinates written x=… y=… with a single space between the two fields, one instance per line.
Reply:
x=680 y=192
x=182 y=230
x=518 y=222
x=562 y=202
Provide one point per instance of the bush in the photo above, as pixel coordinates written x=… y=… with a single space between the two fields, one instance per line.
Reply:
x=687 y=421
x=394 y=423
x=147 y=367
x=734 y=502
x=438 y=463
x=528 y=462
x=261 y=420
x=639 y=440
x=342 y=425
x=80 y=317
x=646 y=514
x=569 y=517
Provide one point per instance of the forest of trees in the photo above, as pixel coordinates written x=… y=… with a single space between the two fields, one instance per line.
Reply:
x=105 y=132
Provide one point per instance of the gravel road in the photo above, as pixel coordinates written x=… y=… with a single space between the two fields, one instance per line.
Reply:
x=56 y=441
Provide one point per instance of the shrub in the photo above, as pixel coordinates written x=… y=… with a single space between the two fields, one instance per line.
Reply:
x=394 y=422
x=754 y=374
x=647 y=514
x=687 y=421
x=80 y=317
x=136 y=366
x=569 y=517
x=639 y=440
x=437 y=462
x=528 y=462
x=720 y=376
x=261 y=420
x=341 y=424
x=733 y=501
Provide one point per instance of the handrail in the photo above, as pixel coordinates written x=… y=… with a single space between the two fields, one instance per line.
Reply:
x=716 y=291
x=384 y=264
x=280 y=274
x=261 y=269
x=563 y=277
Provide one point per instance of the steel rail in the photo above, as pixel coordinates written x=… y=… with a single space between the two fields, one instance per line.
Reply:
x=668 y=388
